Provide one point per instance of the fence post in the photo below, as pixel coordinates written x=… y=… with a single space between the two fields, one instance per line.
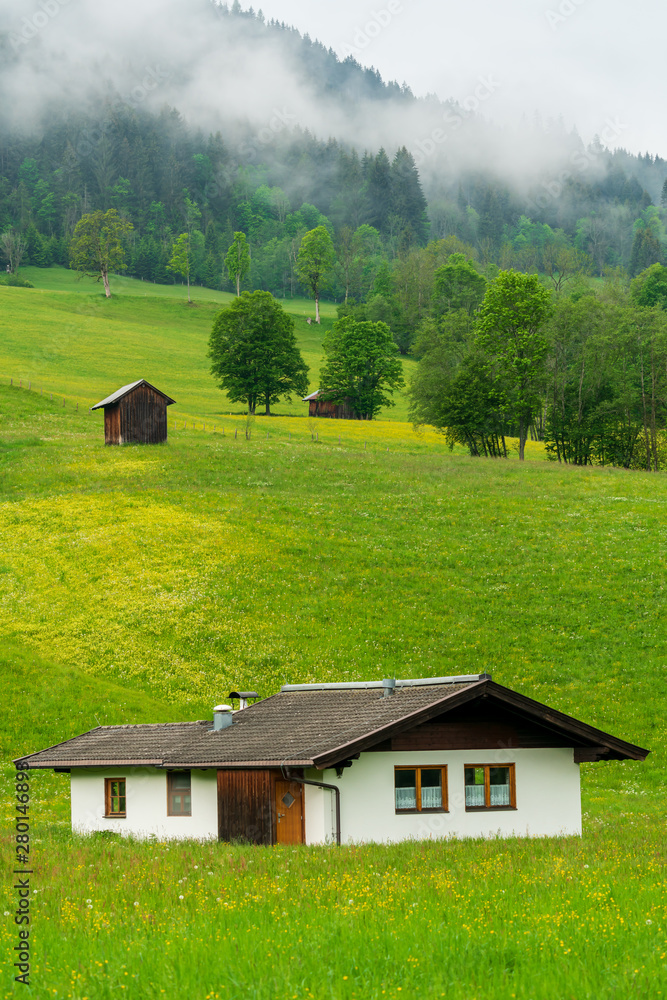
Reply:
x=63 y=402
x=236 y=430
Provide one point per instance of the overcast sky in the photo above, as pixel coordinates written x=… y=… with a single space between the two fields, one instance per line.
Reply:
x=593 y=61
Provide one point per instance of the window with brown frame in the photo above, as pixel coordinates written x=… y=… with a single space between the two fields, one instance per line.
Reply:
x=420 y=789
x=114 y=797
x=490 y=786
x=179 y=793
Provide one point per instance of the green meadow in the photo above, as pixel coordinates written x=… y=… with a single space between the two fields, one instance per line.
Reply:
x=142 y=584
x=64 y=336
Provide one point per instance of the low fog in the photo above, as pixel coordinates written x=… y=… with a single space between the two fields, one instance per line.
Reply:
x=62 y=54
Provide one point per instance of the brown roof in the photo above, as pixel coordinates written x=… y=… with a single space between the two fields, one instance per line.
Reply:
x=125 y=390
x=109 y=745
x=312 y=725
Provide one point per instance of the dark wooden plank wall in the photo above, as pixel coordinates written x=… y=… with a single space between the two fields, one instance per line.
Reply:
x=324 y=408
x=112 y=424
x=484 y=729
x=143 y=417
x=245 y=806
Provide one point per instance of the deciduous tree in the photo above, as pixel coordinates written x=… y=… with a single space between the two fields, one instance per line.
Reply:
x=362 y=366
x=182 y=256
x=237 y=260
x=97 y=248
x=254 y=353
x=14 y=248
x=510 y=332
x=316 y=258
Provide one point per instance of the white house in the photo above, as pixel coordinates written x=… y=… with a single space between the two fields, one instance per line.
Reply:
x=370 y=761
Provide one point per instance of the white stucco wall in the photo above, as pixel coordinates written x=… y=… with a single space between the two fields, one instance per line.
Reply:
x=146 y=804
x=320 y=809
x=548 y=798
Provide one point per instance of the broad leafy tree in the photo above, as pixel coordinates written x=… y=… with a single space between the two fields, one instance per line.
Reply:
x=458 y=285
x=254 y=354
x=237 y=260
x=511 y=333
x=451 y=389
x=362 y=366
x=650 y=287
x=316 y=258
x=97 y=247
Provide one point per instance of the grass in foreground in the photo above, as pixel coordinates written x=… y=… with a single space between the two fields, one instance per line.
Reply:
x=492 y=920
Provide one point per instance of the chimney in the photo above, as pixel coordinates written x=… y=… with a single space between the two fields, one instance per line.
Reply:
x=244 y=697
x=222 y=717
x=388 y=685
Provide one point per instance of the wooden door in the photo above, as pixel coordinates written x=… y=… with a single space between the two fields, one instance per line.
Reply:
x=289 y=812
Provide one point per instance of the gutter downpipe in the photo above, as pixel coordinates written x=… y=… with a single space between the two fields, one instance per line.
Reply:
x=331 y=788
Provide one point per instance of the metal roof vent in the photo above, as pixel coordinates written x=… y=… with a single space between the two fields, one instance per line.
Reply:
x=222 y=717
x=244 y=697
x=388 y=686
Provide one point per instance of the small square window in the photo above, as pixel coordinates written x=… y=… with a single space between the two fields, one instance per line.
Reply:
x=115 y=799
x=490 y=786
x=420 y=789
x=179 y=794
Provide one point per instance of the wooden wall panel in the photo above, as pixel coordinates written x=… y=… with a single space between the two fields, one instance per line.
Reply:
x=143 y=416
x=482 y=726
x=112 y=424
x=456 y=736
x=245 y=801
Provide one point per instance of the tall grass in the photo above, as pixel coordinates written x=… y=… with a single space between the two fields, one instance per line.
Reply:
x=492 y=920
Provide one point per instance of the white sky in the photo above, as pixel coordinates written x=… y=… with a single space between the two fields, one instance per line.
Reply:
x=593 y=61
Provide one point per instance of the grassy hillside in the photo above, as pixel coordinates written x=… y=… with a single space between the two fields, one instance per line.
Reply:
x=65 y=337
x=141 y=584
x=213 y=561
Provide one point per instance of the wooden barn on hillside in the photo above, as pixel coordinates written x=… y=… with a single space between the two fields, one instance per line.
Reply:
x=324 y=408
x=135 y=414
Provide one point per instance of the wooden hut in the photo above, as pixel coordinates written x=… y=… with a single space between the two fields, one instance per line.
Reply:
x=324 y=408
x=135 y=414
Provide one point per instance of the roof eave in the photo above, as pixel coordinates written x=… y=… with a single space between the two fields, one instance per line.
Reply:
x=568 y=724
x=115 y=397
x=615 y=749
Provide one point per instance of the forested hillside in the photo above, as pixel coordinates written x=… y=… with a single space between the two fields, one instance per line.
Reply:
x=276 y=180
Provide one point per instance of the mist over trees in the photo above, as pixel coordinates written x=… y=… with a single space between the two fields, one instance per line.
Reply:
x=414 y=232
